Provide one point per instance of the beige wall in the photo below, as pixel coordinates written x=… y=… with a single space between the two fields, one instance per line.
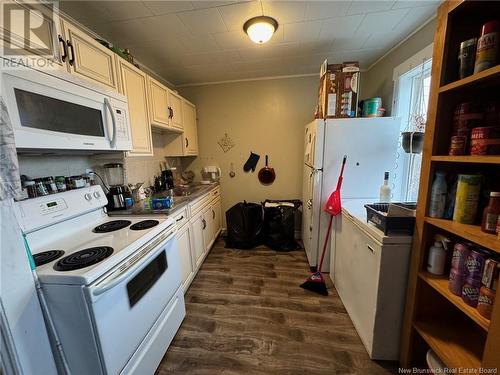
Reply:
x=378 y=80
x=266 y=117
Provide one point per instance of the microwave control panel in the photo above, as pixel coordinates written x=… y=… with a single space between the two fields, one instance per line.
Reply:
x=121 y=123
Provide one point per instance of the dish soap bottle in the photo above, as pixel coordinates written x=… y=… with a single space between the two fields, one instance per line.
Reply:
x=439 y=191
x=385 y=190
x=436 y=259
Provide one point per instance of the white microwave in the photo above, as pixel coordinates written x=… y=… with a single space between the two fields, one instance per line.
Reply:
x=57 y=111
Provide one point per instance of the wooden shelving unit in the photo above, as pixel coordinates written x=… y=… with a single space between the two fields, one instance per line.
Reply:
x=434 y=317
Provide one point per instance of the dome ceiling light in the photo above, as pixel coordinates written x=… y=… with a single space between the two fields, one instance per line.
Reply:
x=260 y=29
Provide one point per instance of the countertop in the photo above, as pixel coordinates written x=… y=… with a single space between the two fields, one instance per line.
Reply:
x=179 y=203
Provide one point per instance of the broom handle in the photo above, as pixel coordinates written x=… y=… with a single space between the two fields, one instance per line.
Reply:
x=341 y=176
x=326 y=243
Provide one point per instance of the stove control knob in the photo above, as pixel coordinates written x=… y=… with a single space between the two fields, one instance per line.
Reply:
x=97 y=195
x=88 y=197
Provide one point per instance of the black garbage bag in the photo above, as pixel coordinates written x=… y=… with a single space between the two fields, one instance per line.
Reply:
x=244 y=225
x=279 y=224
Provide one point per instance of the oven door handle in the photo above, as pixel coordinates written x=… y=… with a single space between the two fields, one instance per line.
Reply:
x=107 y=103
x=136 y=266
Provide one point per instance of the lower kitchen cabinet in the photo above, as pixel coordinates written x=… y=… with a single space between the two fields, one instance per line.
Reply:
x=198 y=224
x=185 y=242
x=217 y=218
x=208 y=237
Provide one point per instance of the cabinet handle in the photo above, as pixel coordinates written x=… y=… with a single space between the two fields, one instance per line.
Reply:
x=309 y=204
x=370 y=248
x=64 y=56
x=179 y=219
x=204 y=224
x=170 y=112
x=72 y=50
x=213 y=214
x=187 y=142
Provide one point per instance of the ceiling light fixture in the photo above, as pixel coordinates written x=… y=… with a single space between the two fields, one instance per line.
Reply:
x=260 y=29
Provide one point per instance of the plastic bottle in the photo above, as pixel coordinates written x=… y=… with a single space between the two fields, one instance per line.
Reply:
x=436 y=259
x=385 y=190
x=438 y=196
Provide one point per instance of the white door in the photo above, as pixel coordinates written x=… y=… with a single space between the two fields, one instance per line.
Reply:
x=198 y=226
x=184 y=241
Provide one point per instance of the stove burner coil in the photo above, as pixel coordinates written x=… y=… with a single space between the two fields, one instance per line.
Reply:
x=83 y=258
x=145 y=224
x=47 y=256
x=111 y=226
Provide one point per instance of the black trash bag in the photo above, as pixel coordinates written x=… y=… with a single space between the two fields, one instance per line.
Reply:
x=244 y=225
x=279 y=224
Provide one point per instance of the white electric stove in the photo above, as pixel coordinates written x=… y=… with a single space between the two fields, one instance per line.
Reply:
x=113 y=286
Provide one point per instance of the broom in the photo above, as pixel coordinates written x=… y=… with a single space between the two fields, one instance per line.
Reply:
x=316 y=282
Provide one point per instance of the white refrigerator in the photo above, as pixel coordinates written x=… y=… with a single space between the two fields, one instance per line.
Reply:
x=371 y=148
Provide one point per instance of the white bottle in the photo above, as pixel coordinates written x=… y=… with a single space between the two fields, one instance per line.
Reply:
x=385 y=190
x=439 y=191
x=436 y=259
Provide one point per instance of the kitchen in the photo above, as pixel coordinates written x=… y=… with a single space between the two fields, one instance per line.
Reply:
x=137 y=137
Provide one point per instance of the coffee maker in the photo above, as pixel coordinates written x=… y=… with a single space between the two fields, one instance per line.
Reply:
x=115 y=176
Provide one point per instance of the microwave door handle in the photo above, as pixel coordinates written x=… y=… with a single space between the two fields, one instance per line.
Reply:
x=112 y=141
x=133 y=270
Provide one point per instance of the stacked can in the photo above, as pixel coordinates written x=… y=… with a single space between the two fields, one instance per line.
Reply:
x=457 y=272
x=488 y=289
x=474 y=266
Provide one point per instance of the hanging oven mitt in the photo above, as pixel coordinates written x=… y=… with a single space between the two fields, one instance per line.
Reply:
x=251 y=162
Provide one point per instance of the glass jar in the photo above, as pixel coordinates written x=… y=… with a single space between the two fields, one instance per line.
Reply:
x=30 y=188
x=61 y=183
x=491 y=213
x=41 y=190
x=50 y=184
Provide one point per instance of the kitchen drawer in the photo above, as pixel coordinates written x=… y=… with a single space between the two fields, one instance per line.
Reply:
x=199 y=204
x=214 y=193
x=181 y=217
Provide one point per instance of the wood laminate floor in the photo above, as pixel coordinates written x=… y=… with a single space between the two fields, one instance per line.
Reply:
x=247 y=315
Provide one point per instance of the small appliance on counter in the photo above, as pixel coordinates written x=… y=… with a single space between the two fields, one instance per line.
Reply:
x=115 y=176
x=210 y=175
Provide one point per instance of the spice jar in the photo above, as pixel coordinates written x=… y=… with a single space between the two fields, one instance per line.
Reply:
x=491 y=213
x=30 y=188
x=41 y=190
x=60 y=183
x=50 y=184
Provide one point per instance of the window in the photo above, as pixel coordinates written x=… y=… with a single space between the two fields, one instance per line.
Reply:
x=411 y=98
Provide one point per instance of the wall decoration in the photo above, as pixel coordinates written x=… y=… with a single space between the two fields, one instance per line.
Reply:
x=226 y=143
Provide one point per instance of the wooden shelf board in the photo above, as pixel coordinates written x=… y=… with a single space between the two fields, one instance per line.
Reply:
x=486 y=159
x=457 y=347
x=440 y=284
x=487 y=74
x=469 y=232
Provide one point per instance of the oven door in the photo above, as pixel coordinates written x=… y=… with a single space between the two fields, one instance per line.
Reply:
x=126 y=304
x=49 y=112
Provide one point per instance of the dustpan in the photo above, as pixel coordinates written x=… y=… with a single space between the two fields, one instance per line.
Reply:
x=316 y=282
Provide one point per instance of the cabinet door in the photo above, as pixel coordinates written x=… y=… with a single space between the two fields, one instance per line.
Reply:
x=158 y=103
x=190 y=135
x=208 y=232
x=133 y=86
x=184 y=241
x=217 y=217
x=175 y=104
x=88 y=59
x=198 y=225
x=18 y=18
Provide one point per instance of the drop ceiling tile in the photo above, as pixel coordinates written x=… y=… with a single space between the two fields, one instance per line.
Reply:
x=232 y=40
x=157 y=27
x=203 y=21
x=363 y=7
x=208 y=58
x=414 y=3
x=366 y=57
x=235 y=15
x=341 y=27
x=326 y=9
x=167 y=7
x=205 y=4
x=415 y=18
x=285 y=11
x=382 y=40
x=126 y=10
x=89 y=13
x=382 y=21
x=301 y=31
x=199 y=43
x=351 y=43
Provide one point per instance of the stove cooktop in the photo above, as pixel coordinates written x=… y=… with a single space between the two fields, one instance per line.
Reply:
x=83 y=258
x=111 y=226
x=47 y=256
x=145 y=224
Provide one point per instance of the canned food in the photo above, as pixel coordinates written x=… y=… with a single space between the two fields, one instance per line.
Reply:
x=474 y=265
x=460 y=253
x=470 y=292
x=490 y=274
x=456 y=281
x=485 y=141
x=458 y=145
x=467 y=198
x=485 y=302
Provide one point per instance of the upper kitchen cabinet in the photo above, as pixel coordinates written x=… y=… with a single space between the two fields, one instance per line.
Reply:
x=190 y=135
x=175 y=107
x=134 y=87
x=158 y=104
x=48 y=43
x=87 y=58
